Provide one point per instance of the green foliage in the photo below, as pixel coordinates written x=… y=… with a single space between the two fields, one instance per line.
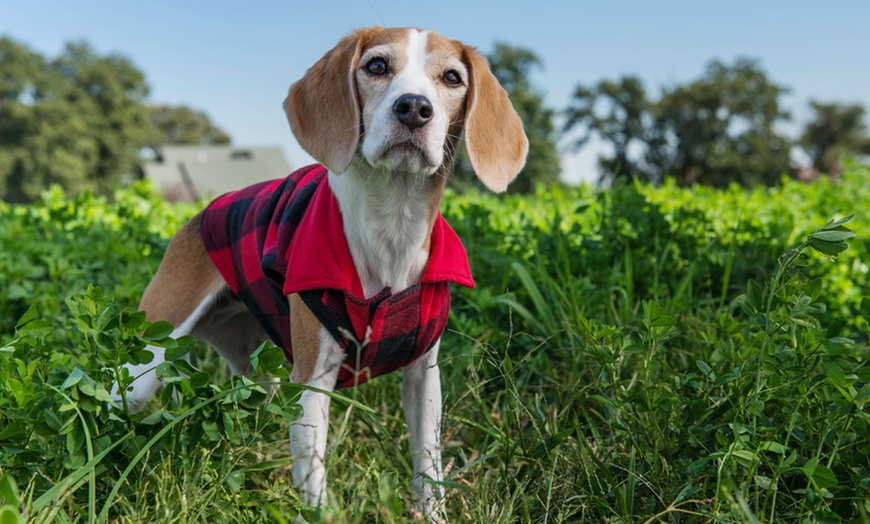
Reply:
x=836 y=130
x=182 y=125
x=60 y=246
x=620 y=113
x=80 y=121
x=513 y=66
x=9 y=511
x=634 y=354
x=60 y=432
x=697 y=372
x=77 y=120
x=59 y=357
x=719 y=129
x=713 y=131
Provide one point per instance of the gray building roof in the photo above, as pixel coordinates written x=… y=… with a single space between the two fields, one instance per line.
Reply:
x=190 y=172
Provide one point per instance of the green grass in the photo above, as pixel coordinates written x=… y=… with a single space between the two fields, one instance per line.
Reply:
x=631 y=355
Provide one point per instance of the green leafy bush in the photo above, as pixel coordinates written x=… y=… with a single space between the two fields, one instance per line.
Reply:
x=632 y=354
x=703 y=365
x=60 y=431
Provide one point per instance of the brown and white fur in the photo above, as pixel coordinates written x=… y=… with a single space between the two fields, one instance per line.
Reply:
x=383 y=111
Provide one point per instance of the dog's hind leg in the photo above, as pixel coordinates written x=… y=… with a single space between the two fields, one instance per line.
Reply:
x=182 y=292
x=233 y=331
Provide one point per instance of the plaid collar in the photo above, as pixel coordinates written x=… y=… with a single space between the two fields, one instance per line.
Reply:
x=319 y=257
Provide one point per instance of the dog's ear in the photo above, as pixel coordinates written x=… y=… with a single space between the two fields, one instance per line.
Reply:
x=494 y=138
x=323 y=108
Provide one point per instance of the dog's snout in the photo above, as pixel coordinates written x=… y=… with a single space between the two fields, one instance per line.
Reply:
x=413 y=110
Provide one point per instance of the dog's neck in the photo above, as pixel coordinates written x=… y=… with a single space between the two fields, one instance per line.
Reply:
x=388 y=218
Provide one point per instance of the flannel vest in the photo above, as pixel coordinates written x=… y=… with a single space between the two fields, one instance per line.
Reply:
x=286 y=236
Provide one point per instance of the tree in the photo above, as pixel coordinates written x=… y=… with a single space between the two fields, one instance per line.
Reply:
x=513 y=67
x=181 y=125
x=719 y=129
x=715 y=130
x=78 y=120
x=835 y=131
x=620 y=114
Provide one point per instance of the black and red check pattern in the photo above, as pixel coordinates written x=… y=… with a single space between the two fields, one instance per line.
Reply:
x=286 y=236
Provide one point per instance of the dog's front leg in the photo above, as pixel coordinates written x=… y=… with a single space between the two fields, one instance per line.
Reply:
x=308 y=435
x=421 y=396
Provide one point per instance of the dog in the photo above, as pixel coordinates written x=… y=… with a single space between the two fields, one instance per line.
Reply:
x=346 y=264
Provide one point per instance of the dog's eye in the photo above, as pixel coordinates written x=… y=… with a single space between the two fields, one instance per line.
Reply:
x=377 y=66
x=452 y=78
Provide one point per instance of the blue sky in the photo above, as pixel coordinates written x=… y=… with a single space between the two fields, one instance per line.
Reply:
x=235 y=60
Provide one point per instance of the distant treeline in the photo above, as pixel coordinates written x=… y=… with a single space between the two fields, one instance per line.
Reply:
x=722 y=128
x=83 y=121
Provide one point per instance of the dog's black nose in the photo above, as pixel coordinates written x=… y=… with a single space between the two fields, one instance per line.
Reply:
x=413 y=110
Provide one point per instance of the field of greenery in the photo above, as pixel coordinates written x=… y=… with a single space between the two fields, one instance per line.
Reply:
x=636 y=354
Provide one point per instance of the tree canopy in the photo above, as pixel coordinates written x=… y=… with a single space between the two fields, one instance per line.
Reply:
x=620 y=113
x=721 y=128
x=836 y=130
x=181 y=125
x=78 y=120
x=718 y=129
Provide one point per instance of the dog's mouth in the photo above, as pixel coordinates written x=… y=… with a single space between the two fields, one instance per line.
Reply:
x=409 y=149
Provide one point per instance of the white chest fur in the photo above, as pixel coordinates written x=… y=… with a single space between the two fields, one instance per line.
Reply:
x=387 y=223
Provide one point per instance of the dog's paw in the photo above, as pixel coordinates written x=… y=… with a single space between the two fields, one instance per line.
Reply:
x=134 y=403
x=434 y=518
x=117 y=402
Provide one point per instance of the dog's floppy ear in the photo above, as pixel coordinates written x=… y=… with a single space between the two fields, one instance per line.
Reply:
x=323 y=109
x=494 y=136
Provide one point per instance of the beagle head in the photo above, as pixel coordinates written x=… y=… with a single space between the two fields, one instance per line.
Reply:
x=399 y=98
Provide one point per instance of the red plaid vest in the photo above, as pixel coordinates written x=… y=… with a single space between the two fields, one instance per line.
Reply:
x=286 y=236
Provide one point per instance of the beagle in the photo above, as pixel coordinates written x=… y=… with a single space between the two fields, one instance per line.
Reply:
x=352 y=254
